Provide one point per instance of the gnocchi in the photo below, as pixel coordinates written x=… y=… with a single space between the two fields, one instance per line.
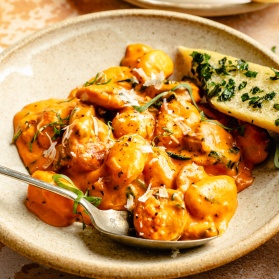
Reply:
x=141 y=142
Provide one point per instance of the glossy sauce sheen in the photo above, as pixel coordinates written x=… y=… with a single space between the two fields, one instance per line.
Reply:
x=174 y=164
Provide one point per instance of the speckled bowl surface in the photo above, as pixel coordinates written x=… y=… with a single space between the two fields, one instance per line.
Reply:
x=52 y=62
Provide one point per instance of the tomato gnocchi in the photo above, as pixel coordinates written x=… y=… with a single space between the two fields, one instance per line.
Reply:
x=139 y=141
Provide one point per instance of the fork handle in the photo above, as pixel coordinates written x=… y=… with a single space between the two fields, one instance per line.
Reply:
x=36 y=182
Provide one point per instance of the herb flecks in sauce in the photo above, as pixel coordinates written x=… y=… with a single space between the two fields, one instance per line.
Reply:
x=276 y=75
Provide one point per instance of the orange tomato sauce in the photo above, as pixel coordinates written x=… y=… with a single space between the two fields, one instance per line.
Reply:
x=139 y=141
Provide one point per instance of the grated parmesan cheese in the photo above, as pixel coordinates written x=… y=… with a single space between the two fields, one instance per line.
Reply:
x=96 y=127
x=156 y=79
x=183 y=127
x=130 y=203
x=73 y=154
x=163 y=192
x=161 y=147
x=67 y=133
x=174 y=139
x=128 y=96
x=153 y=160
x=100 y=179
x=146 y=195
x=223 y=225
x=141 y=73
x=146 y=149
x=180 y=118
x=101 y=78
x=165 y=104
x=50 y=153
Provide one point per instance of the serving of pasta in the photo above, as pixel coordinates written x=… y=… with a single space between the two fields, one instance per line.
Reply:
x=133 y=139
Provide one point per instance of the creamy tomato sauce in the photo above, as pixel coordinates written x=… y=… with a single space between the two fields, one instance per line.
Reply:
x=142 y=143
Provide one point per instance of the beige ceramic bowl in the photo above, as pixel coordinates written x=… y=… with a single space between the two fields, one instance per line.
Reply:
x=204 y=7
x=52 y=62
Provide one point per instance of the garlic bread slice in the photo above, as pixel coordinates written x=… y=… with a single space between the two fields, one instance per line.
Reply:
x=246 y=91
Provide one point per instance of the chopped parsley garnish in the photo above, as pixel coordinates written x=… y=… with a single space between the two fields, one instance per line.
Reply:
x=256 y=101
x=229 y=91
x=223 y=69
x=234 y=150
x=242 y=65
x=178 y=156
x=251 y=74
x=204 y=69
x=200 y=57
x=214 y=154
x=215 y=91
x=230 y=164
x=276 y=76
x=245 y=97
x=242 y=85
x=256 y=90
